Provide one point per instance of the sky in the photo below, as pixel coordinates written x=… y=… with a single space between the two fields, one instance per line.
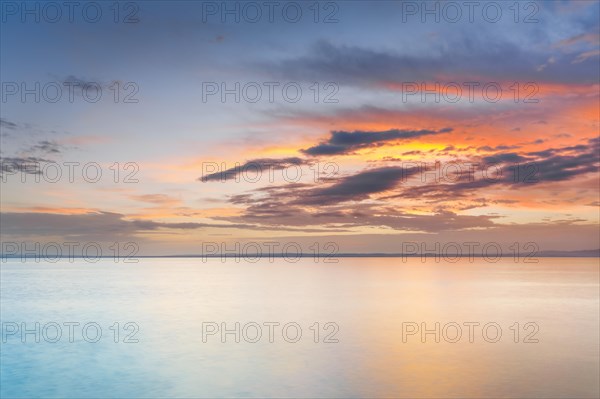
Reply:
x=353 y=124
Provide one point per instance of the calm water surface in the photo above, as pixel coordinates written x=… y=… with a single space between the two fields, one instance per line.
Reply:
x=368 y=301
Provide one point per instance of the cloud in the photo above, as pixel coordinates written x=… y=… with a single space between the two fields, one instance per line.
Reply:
x=26 y=165
x=356 y=187
x=585 y=44
x=29 y=160
x=82 y=83
x=106 y=226
x=93 y=89
x=45 y=146
x=255 y=165
x=465 y=59
x=498 y=148
x=592 y=38
x=324 y=204
x=586 y=55
x=342 y=142
x=93 y=225
x=7 y=124
x=506 y=157
x=158 y=199
x=547 y=166
x=273 y=211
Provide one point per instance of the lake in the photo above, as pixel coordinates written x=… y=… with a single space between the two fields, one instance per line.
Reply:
x=361 y=327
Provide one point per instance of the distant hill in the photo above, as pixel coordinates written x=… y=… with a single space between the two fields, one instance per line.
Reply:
x=588 y=253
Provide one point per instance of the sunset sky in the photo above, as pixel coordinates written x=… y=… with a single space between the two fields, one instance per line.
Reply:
x=353 y=161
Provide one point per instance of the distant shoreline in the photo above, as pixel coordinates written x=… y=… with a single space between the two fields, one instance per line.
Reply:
x=543 y=254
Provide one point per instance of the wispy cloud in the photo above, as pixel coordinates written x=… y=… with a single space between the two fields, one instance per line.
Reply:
x=342 y=142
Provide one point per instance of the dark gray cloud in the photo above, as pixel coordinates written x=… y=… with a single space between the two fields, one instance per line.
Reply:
x=342 y=142
x=300 y=205
x=96 y=225
x=288 y=202
x=470 y=59
x=273 y=211
x=29 y=161
x=547 y=166
x=507 y=157
x=7 y=124
x=252 y=167
x=45 y=146
x=79 y=83
x=356 y=187
x=109 y=225
x=26 y=165
x=499 y=148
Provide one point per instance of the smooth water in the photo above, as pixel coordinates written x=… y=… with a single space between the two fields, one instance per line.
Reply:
x=367 y=301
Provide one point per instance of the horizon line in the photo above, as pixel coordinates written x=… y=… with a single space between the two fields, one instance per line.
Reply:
x=590 y=253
